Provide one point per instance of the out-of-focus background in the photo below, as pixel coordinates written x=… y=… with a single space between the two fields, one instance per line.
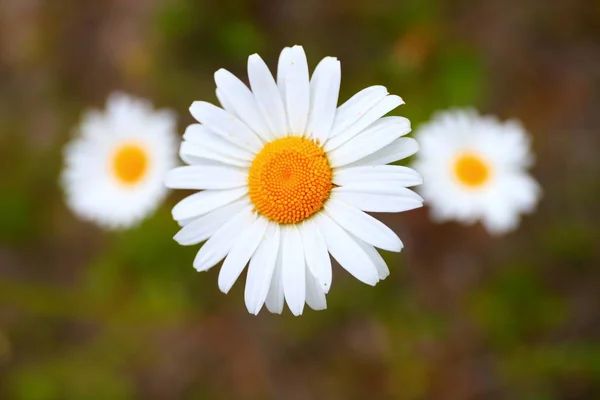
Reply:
x=86 y=314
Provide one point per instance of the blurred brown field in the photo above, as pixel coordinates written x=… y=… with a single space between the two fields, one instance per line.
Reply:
x=87 y=314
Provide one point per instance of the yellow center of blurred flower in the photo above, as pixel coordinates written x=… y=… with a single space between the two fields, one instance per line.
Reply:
x=130 y=163
x=290 y=180
x=471 y=170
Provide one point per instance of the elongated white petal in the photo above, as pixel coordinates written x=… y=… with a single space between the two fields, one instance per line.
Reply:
x=355 y=107
x=275 y=298
x=213 y=150
x=368 y=142
x=294 y=269
x=393 y=174
x=374 y=255
x=367 y=228
x=240 y=253
x=397 y=150
x=315 y=296
x=199 y=161
x=200 y=203
x=261 y=268
x=204 y=227
x=225 y=125
x=378 y=188
x=199 y=135
x=225 y=103
x=267 y=95
x=386 y=105
x=186 y=221
x=241 y=102
x=296 y=95
x=324 y=92
x=197 y=151
x=206 y=177
x=316 y=255
x=221 y=242
x=378 y=202
x=345 y=250
x=284 y=61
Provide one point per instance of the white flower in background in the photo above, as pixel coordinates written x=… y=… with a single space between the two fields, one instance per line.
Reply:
x=475 y=168
x=286 y=177
x=115 y=168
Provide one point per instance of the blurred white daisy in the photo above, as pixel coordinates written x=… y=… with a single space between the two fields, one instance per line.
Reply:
x=286 y=177
x=115 y=168
x=475 y=168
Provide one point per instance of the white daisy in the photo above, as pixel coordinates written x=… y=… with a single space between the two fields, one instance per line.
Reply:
x=115 y=168
x=286 y=177
x=475 y=168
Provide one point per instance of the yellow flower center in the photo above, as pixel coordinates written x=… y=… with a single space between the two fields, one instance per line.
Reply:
x=471 y=170
x=290 y=180
x=130 y=163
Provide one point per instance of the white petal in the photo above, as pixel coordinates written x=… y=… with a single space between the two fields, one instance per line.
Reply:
x=225 y=103
x=267 y=95
x=379 y=110
x=397 y=150
x=241 y=102
x=200 y=229
x=315 y=296
x=526 y=192
x=221 y=242
x=241 y=252
x=315 y=252
x=500 y=220
x=345 y=250
x=293 y=68
x=192 y=160
x=226 y=125
x=197 y=134
x=355 y=107
x=261 y=268
x=294 y=269
x=392 y=174
x=378 y=188
x=380 y=134
x=203 y=202
x=324 y=92
x=274 y=301
x=206 y=177
x=387 y=203
x=197 y=151
x=186 y=221
x=284 y=60
x=367 y=228
x=375 y=257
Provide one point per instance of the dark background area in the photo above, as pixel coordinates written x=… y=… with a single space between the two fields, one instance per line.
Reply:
x=86 y=314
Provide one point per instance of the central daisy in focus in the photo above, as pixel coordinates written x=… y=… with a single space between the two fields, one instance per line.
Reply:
x=290 y=180
x=286 y=178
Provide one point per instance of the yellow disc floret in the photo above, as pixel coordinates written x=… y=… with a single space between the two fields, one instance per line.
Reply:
x=290 y=180
x=471 y=170
x=129 y=163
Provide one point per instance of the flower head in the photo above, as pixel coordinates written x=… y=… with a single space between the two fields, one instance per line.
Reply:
x=115 y=167
x=475 y=168
x=286 y=177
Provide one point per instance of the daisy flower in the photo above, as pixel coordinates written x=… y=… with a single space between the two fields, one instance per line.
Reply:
x=115 y=168
x=286 y=177
x=475 y=168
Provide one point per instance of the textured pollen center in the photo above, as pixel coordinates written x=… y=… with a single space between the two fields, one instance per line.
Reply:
x=130 y=163
x=289 y=180
x=471 y=170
